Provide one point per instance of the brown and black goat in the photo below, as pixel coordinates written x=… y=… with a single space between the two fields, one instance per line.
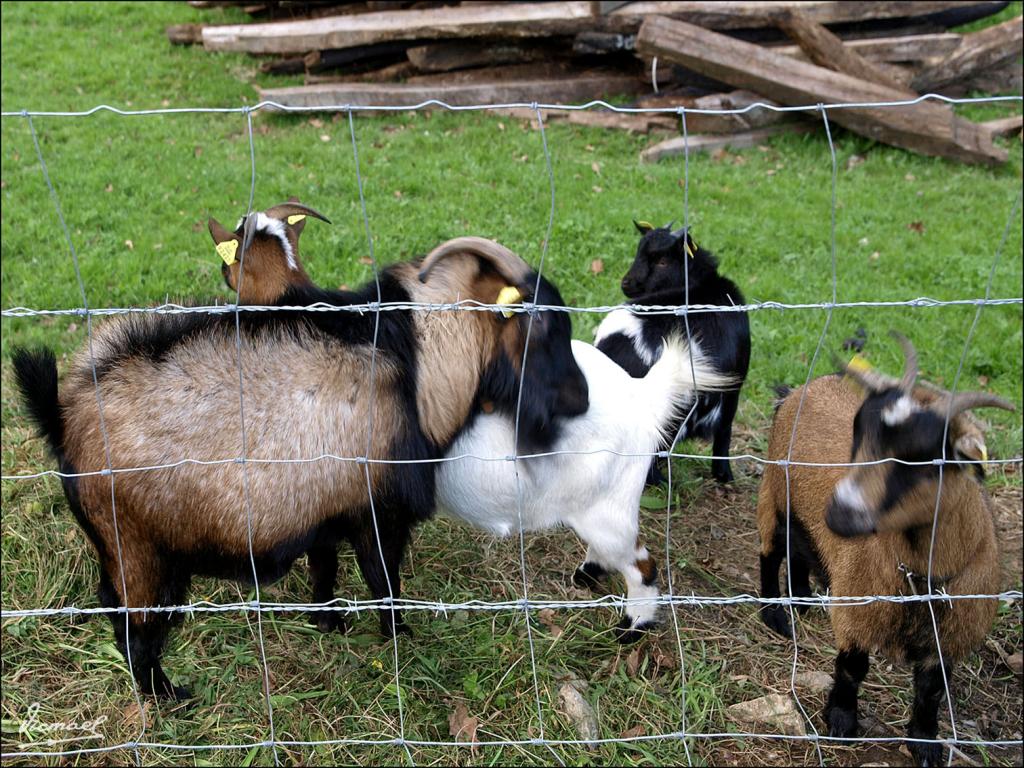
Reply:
x=311 y=386
x=867 y=529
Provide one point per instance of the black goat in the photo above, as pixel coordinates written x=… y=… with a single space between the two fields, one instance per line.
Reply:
x=658 y=275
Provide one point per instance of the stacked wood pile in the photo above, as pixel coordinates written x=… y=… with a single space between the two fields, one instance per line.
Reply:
x=701 y=55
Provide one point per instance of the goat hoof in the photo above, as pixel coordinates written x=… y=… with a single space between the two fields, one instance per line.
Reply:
x=776 y=618
x=170 y=692
x=588 y=576
x=626 y=633
x=723 y=476
x=842 y=723
x=927 y=754
x=329 y=621
x=390 y=630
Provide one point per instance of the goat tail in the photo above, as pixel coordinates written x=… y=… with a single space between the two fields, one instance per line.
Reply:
x=679 y=375
x=36 y=373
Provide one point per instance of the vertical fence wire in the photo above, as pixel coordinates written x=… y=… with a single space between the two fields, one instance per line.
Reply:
x=243 y=458
x=668 y=461
x=107 y=456
x=792 y=441
x=942 y=465
x=369 y=443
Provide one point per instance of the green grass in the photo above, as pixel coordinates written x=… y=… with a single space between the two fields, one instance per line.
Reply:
x=153 y=181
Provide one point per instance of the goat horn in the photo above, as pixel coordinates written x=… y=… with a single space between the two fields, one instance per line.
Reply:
x=292 y=208
x=508 y=264
x=965 y=401
x=910 y=368
x=868 y=377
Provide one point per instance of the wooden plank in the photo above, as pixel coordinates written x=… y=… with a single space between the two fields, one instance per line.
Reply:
x=1004 y=126
x=977 y=52
x=631 y=123
x=185 y=34
x=527 y=20
x=739 y=15
x=698 y=143
x=893 y=49
x=927 y=128
x=719 y=123
x=446 y=57
x=827 y=50
x=507 y=20
x=407 y=94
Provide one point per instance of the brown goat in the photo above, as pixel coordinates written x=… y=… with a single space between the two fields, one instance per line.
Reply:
x=866 y=530
x=311 y=386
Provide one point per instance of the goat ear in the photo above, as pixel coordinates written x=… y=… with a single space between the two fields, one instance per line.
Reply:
x=226 y=242
x=971 y=447
x=643 y=227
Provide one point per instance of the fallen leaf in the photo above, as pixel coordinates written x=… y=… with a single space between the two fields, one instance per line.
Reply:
x=461 y=725
x=365 y=260
x=875 y=255
x=814 y=681
x=1015 y=661
x=524 y=158
x=663 y=660
x=719 y=154
x=398 y=194
x=597 y=266
x=598 y=189
x=983 y=381
x=596 y=168
x=165 y=103
x=770 y=172
x=547 y=618
x=863 y=241
x=130 y=245
x=632 y=733
x=633 y=662
x=198 y=151
x=324 y=137
x=853 y=161
x=589 y=147
x=132 y=716
x=916 y=226
x=72 y=327
x=108 y=188
x=316 y=122
x=910 y=177
x=764 y=148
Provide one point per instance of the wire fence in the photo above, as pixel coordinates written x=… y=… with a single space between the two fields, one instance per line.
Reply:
x=527 y=605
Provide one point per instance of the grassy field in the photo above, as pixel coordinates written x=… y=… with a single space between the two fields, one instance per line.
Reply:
x=136 y=193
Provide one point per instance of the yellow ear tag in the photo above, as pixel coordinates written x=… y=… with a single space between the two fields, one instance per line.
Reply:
x=858 y=363
x=296 y=218
x=226 y=251
x=509 y=295
x=645 y=225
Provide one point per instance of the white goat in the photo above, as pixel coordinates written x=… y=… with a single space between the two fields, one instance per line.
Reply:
x=593 y=481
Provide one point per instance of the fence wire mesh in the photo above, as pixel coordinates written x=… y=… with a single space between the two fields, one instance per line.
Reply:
x=527 y=605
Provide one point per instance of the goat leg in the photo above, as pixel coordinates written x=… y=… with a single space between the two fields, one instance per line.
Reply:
x=924 y=723
x=323 y=570
x=841 y=709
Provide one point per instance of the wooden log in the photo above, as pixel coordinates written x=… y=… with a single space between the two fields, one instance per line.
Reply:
x=599 y=43
x=367 y=56
x=291 y=65
x=185 y=34
x=827 y=50
x=722 y=123
x=927 y=128
x=631 y=123
x=446 y=57
x=698 y=143
x=1004 y=126
x=977 y=52
x=526 y=20
x=407 y=94
x=388 y=74
x=893 y=49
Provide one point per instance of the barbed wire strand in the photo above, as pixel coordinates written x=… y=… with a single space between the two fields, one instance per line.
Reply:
x=104 y=435
x=471 y=305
